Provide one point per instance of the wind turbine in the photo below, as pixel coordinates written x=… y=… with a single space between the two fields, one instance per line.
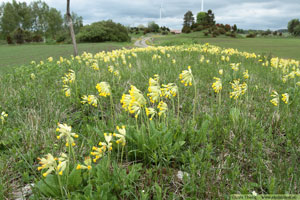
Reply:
x=202 y=6
x=160 y=10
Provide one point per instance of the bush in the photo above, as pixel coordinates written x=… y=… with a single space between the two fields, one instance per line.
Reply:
x=251 y=35
x=164 y=33
x=19 y=36
x=222 y=31
x=37 y=38
x=62 y=37
x=199 y=28
x=186 y=29
x=9 y=39
x=103 y=31
x=206 y=33
x=27 y=36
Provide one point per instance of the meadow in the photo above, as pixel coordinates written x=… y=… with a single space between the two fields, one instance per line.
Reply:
x=285 y=47
x=192 y=121
x=15 y=55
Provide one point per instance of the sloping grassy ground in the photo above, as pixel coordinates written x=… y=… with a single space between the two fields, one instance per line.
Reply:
x=16 y=55
x=202 y=145
x=275 y=46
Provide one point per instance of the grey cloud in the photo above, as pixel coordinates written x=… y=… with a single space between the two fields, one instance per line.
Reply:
x=247 y=14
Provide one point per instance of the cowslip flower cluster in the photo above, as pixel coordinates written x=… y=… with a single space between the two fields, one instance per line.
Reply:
x=186 y=77
x=285 y=98
x=238 y=89
x=275 y=100
x=163 y=108
x=154 y=89
x=235 y=66
x=50 y=163
x=98 y=152
x=217 y=85
x=246 y=74
x=66 y=131
x=169 y=90
x=90 y=99
x=134 y=101
x=121 y=135
x=150 y=112
x=68 y=78
x=3 y=116
x=87 y=164
x=103 y=89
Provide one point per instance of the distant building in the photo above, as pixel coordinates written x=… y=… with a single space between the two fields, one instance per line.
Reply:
x=176 y=31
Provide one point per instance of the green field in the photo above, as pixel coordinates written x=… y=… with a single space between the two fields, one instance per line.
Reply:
x=16 y=55
x=199 y=132
x=275 y=46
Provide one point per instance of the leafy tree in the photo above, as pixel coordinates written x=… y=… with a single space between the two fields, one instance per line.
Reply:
x=188 y=19
x=234 y=28
x=153 y=27
x=293 y=27
x=9 y=20
x=210 y=18
x=40 y=16
x=55 y=22
x=201 y=18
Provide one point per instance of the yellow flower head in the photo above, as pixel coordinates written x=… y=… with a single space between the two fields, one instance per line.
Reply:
x=103 y=89
x=186 y=77
x=87 y=164
x=275 y=100
x=169 y=90
x=163 y=108
x=90 y=99
x=32 y=76
x=221 y=71
x=285 y=98
x=121 y=135
x=235 y=66
x=50 y=59
x=66 y=131
x=217 y=85
x=238 y=89
x=67 y=90
x=154 y=89
x=150 y=112
x=3 y=116
x=246 y=74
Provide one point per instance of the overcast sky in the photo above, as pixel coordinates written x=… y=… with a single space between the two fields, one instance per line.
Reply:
x=247 y=14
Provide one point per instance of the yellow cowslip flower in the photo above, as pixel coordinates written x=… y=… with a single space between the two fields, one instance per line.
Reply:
x=103 y=89
x=169 y=90
x=121 y=135
x=285 y=98
x=67 y=90
x=298 y=83
x=41 y=62
x=150 y=112
x=223 y=58
x=125 y=101
x=136 y=95
x=61 y=59
x=235 y=66
x=111 y=68
x=275 y=100
x=98 y=152
x=33 y=62
x=173 y=61
x=130 y=65
x=49 y=162
x=117 y=74
x=62 y=163
x=69 y=77
x=163 y=108
x=246 y=74
x=3 y=116
x=221 y=71
x=87 y=164
x=32 y=76
x=227 y=59
x=238 y=89
x=217 y=85
x=154 y=89
x=186 y=77
x=107 y=144
x=90 y=99
x=95 y=66
x=66 y=131
x=50 y=59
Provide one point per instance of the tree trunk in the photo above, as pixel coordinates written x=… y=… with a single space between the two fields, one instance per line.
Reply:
x=71 y=28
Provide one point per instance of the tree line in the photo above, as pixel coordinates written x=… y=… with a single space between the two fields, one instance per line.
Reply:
x=21 y=22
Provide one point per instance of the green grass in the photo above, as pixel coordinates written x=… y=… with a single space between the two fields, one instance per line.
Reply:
x=16 y=55
x=220 y=145
x=276 y=46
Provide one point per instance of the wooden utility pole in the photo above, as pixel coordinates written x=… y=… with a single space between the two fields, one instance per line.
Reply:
x=69 y=18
